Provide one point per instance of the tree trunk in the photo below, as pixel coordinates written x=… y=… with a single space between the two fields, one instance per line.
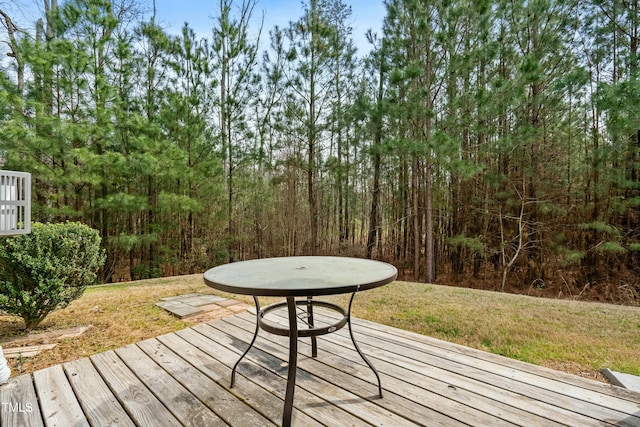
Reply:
x=15 y=50
x=415 y=201
x=311 y=135
x=429 y=242
x=430 y=262
x=375 y=200
x=377 y=140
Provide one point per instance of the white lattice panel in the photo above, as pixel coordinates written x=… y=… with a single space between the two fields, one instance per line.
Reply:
x=15 y=202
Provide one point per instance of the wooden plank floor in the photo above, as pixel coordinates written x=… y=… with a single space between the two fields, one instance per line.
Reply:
x=182 y=378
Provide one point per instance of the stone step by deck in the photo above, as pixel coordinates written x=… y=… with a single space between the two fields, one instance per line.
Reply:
x=188 y=305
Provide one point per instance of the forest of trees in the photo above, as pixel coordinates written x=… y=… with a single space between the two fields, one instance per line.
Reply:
x=484 y=143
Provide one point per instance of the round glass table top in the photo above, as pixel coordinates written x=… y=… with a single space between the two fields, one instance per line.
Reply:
x=300 y=276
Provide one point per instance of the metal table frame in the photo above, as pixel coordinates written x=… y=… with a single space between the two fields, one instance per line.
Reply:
x=305 y=315
x=294 y=333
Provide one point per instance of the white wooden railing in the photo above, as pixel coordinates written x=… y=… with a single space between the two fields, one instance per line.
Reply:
x=15 y=202
x=15 y=218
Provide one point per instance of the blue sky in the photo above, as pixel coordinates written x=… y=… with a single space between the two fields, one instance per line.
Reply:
x=199 y=14
x=172 y=14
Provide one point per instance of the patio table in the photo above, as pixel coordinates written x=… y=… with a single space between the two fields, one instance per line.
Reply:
x=300 y=277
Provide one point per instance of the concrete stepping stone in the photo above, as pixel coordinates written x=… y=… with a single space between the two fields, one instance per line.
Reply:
x=179 y=297
x=631 y=382
x=193 y=304
x=180 y=309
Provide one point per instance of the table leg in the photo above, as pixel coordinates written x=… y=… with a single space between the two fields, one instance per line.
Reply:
x=314 y=341
x=293 y=361
x=255 y=335
x=355 y=344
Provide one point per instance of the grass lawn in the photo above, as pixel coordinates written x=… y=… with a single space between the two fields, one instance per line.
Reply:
x=571 y=336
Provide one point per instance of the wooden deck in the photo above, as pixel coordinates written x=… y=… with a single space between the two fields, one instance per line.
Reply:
x=182 y=378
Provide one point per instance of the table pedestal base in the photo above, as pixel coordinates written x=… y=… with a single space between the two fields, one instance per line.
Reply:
x=293 y=332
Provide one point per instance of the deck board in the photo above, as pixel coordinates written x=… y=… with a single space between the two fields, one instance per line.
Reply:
x=18 y=408
x=399 y=335
x=182 y=378
x=322 y=392
x=543 y=406
x=100 y=406
x=217 y=398
x=140 y=403
x=533 y=379
x=557 y=394
x=431 y=394
x=360 y=381
x=58 y=402
x=267 y=378
x=188 y=409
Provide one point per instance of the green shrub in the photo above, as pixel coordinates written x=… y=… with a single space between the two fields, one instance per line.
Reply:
x=47 y=269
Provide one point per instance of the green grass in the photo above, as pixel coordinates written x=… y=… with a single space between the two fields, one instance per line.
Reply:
x=572 y=336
